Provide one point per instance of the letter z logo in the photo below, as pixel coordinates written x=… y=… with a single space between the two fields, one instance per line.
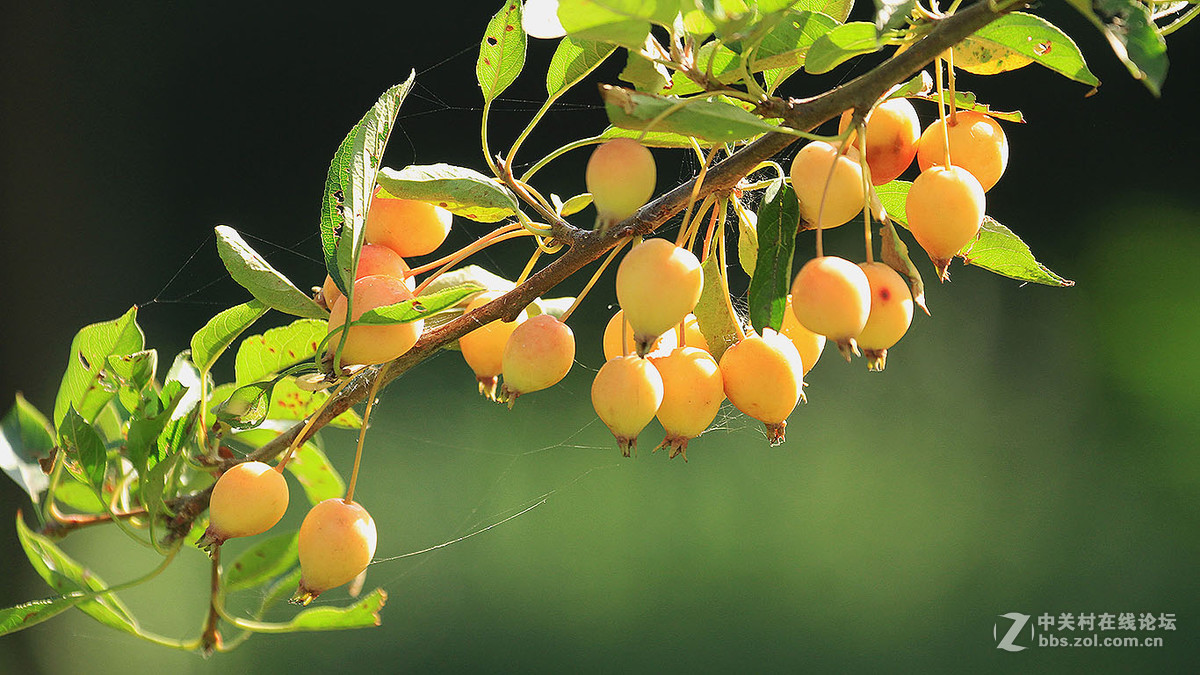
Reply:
x=1007 y=643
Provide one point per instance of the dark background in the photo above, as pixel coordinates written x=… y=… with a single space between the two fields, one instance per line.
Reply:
x=1028 y=450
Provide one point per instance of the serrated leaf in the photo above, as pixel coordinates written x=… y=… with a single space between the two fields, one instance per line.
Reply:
x=84 y=385
x=501 y=52
x=650 y=139
x=417 y=308
x=712 y=311
x=998 y=250
x=1133 y=36
x=25 y=437
x=840 y=45
x=214 y=338
x=78 y=439
x=261 y=563
x=27 y=614
x=461 y=191
x=1031 y=38
x=573 y=60
x=289 y=402
x=350 y=183
x=790 y=40
x=265 y=283
x=891 y=14
x=709 y=120
x=778 y=218
x=65 y=575
x=273 y=351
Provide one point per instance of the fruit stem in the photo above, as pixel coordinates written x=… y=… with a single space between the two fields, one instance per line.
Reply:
x=485 y=240
x=308 y=425
x=541 y=163
x=687 y=214
x=537 y=253
x=362 y=434
x=721 y=205
x=950 y=81
x=466 y=252
x=937 y=69
x=592 y=282
x=866 y=181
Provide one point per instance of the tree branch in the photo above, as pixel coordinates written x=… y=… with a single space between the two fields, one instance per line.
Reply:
x=587 y=246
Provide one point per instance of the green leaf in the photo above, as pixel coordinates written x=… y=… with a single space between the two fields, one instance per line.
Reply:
x=261 y=563
x=362 y=614
x=469 y=275
x=247 y=406
x=417 y=308
x=894 y=252
x=464 y=192
x=840 y=45
x=1131 y=32
x=76 y=495
x=85 y=386
x=65 y=575
x=350 y=183
x=619 y=22
x=573 y=60
x=183 y=380
x=146 y=426
x=965 y=100
x=25 y=437
x=747 y=241
x=153 y=486
x=712 y=311
x=287 y=401
x=501 y=52
x=998 y=250
x=709 y=120
x=650 y=139
x=26 y=614
x=644 y=74
x=789 y=42
x=262 y=356
x=265 y=283
x=891 y=14
x=133 y=372
x=77 y=438
x=211 y=341
x=1033 y=38
x=778 y=218
x=838 y=9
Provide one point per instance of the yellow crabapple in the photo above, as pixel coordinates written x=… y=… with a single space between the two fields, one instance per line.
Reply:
x=621 y=175
x=626 y=394
x=832 y=297
x=977 y=144
x=366 y=345
x=844 y=197
x=538 y=354
x=945 y=208
x=483 y=348
x=808 y=344
x=336 y=543
x=249 y=498
x=892 y=133
x=764 y=378
x=372 y=259
x=692 y=395
x=658 y=284
x=891 y=313
x=407 y=226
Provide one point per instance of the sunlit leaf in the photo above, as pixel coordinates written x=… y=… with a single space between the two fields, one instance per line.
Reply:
x=265 y=283
x=712 y=311
x=25 y=437
x=778 y=218
x=620 y=22
x=892 y=13
x=214 y=338
x=1031 y=39
x=260 y=563
x=840 y=45
x=464 y=192
x=572 y=61
x=501 y=52
x=1133 y=36
x=998 y=250
x=85 y=385
x=26 y=614
x=418 y=308
x=272 y=352
x=709 y=120
x=81 y=442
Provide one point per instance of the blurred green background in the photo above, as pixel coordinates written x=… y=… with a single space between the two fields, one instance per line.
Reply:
x=1027 y=450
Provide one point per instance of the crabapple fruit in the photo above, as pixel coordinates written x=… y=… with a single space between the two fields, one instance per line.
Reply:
x=977 y=144
x=692 y=395
x=892 y=133
x=247 y=499
x=366 y=345
x=337 y=541
x=373 y=259
x=891 y=313
x=764 y=378
x=483 y=348
x=809 y=344
x=810 y=173
x=945 y=208
x=621 y=175
x=832 y=297
x=626 y=394
x=407 y=226
x=612 y=339
x=658 y=284
x=538 y=354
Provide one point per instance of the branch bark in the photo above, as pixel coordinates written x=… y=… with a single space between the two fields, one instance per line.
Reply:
x=586 y=246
